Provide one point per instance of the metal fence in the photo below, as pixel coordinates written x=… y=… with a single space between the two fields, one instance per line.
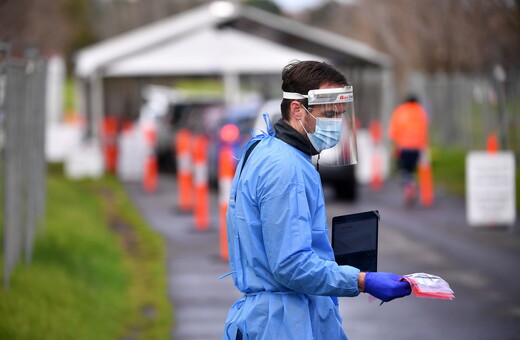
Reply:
x=22 y=154
x=464 y=109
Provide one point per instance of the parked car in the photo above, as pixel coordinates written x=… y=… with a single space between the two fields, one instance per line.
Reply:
x=200 y=118
x=172 y=109
x=342 y=178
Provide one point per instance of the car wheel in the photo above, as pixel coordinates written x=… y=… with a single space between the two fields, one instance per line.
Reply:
x=346 y=191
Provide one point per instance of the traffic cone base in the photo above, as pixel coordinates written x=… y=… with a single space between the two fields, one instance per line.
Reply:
x=425 y=184
x=200 y=182
x=223 y=233
x=184 y=177
x=226 y=172
x=150 y=163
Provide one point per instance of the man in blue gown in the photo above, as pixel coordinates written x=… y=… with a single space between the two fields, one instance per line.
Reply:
x=279 y=249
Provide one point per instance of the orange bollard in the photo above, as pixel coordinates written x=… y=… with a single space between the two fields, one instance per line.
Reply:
x=425 y=177
x=376 y=179
x=184 y=177
x=109 y=130
x=200 y=182
x=376 y=134
x=226 y=171
x=150 y=166
x=492 y=145
x=376 y=131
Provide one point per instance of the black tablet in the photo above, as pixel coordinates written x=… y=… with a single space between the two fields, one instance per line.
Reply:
x=354 y=240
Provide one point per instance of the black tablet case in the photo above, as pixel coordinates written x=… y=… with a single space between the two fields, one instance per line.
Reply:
x=354 y=240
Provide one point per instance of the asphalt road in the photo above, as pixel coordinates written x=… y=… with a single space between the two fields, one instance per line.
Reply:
x=481 y=265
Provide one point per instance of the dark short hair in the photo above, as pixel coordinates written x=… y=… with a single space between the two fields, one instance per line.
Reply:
x=303 y=76
x=411 y=98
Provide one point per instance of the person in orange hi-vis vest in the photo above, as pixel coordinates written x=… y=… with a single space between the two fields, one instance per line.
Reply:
x=408 y=130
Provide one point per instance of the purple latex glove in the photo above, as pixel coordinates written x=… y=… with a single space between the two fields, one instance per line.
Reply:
x=386 y=286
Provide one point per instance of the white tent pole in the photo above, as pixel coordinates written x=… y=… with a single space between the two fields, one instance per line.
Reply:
x=96 y=104
x=54 y=95
x=80 y=97
x=388 y=95
x=231 y=88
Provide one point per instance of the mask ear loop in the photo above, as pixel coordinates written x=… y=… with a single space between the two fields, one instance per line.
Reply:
x=304 y=129
x=310 y=150
x=309 y=113
x=301 y=121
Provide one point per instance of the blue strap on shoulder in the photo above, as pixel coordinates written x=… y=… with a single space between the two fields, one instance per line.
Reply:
x=258 y=136
x=269 y=128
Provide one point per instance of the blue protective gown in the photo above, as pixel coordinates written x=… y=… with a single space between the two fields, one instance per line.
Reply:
x=279 y=249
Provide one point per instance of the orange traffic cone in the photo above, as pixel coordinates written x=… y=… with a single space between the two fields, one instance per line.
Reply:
x=150 y=167
x=200 y=182
x=184 y=178
x=376 y=134
x=109 y=129
x=226 y=172
x=376 y=179
x=492 y=145
x=425 y=177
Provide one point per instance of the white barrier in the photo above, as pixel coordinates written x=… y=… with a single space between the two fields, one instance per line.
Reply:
x=490 y=188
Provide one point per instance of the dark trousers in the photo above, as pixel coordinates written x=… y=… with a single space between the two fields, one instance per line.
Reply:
x=407 y=162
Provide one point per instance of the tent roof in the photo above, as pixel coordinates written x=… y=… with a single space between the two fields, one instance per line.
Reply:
x=211 y=51
x=218 y=38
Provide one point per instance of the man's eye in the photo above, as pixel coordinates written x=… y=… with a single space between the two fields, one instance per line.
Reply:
x=332 y=114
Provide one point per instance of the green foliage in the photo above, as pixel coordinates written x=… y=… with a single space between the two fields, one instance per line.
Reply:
x=86 y=279
x=265 y=5
x=200 y=86
x=69 y=98
x=449 y=169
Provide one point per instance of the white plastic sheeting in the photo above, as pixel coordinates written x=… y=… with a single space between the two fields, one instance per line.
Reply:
x=61 y=139
x=132 y=155
x=85 y=161
x=367 y=151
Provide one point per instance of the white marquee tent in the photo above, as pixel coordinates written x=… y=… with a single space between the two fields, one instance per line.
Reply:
x=218 y=38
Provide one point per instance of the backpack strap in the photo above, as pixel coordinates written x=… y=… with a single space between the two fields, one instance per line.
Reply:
x=248 y=152
x=246 y=156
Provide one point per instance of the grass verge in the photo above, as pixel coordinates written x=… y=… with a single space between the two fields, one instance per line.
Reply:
x=97 y=272
x=449 y=171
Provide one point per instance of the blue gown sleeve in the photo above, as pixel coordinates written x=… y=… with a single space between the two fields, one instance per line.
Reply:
x=288 y=235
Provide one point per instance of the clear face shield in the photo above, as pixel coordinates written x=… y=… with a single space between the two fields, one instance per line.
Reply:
x=335 y=134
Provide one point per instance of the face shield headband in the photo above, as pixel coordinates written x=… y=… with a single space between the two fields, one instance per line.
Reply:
x=324 y=96
x=332 y=107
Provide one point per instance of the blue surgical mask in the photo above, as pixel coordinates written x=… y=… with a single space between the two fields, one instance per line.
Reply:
x=326 y=134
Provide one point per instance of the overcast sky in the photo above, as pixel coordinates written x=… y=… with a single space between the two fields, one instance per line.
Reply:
x=296 y=5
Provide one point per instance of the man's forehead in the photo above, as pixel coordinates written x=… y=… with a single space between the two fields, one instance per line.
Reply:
x=331 y=107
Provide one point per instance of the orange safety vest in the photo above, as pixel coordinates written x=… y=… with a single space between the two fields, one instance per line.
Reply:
x=409 y=126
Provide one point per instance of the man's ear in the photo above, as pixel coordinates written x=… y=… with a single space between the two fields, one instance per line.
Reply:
x=296 y=110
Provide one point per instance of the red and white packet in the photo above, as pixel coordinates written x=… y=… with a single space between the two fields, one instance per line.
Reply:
x=429 y=286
